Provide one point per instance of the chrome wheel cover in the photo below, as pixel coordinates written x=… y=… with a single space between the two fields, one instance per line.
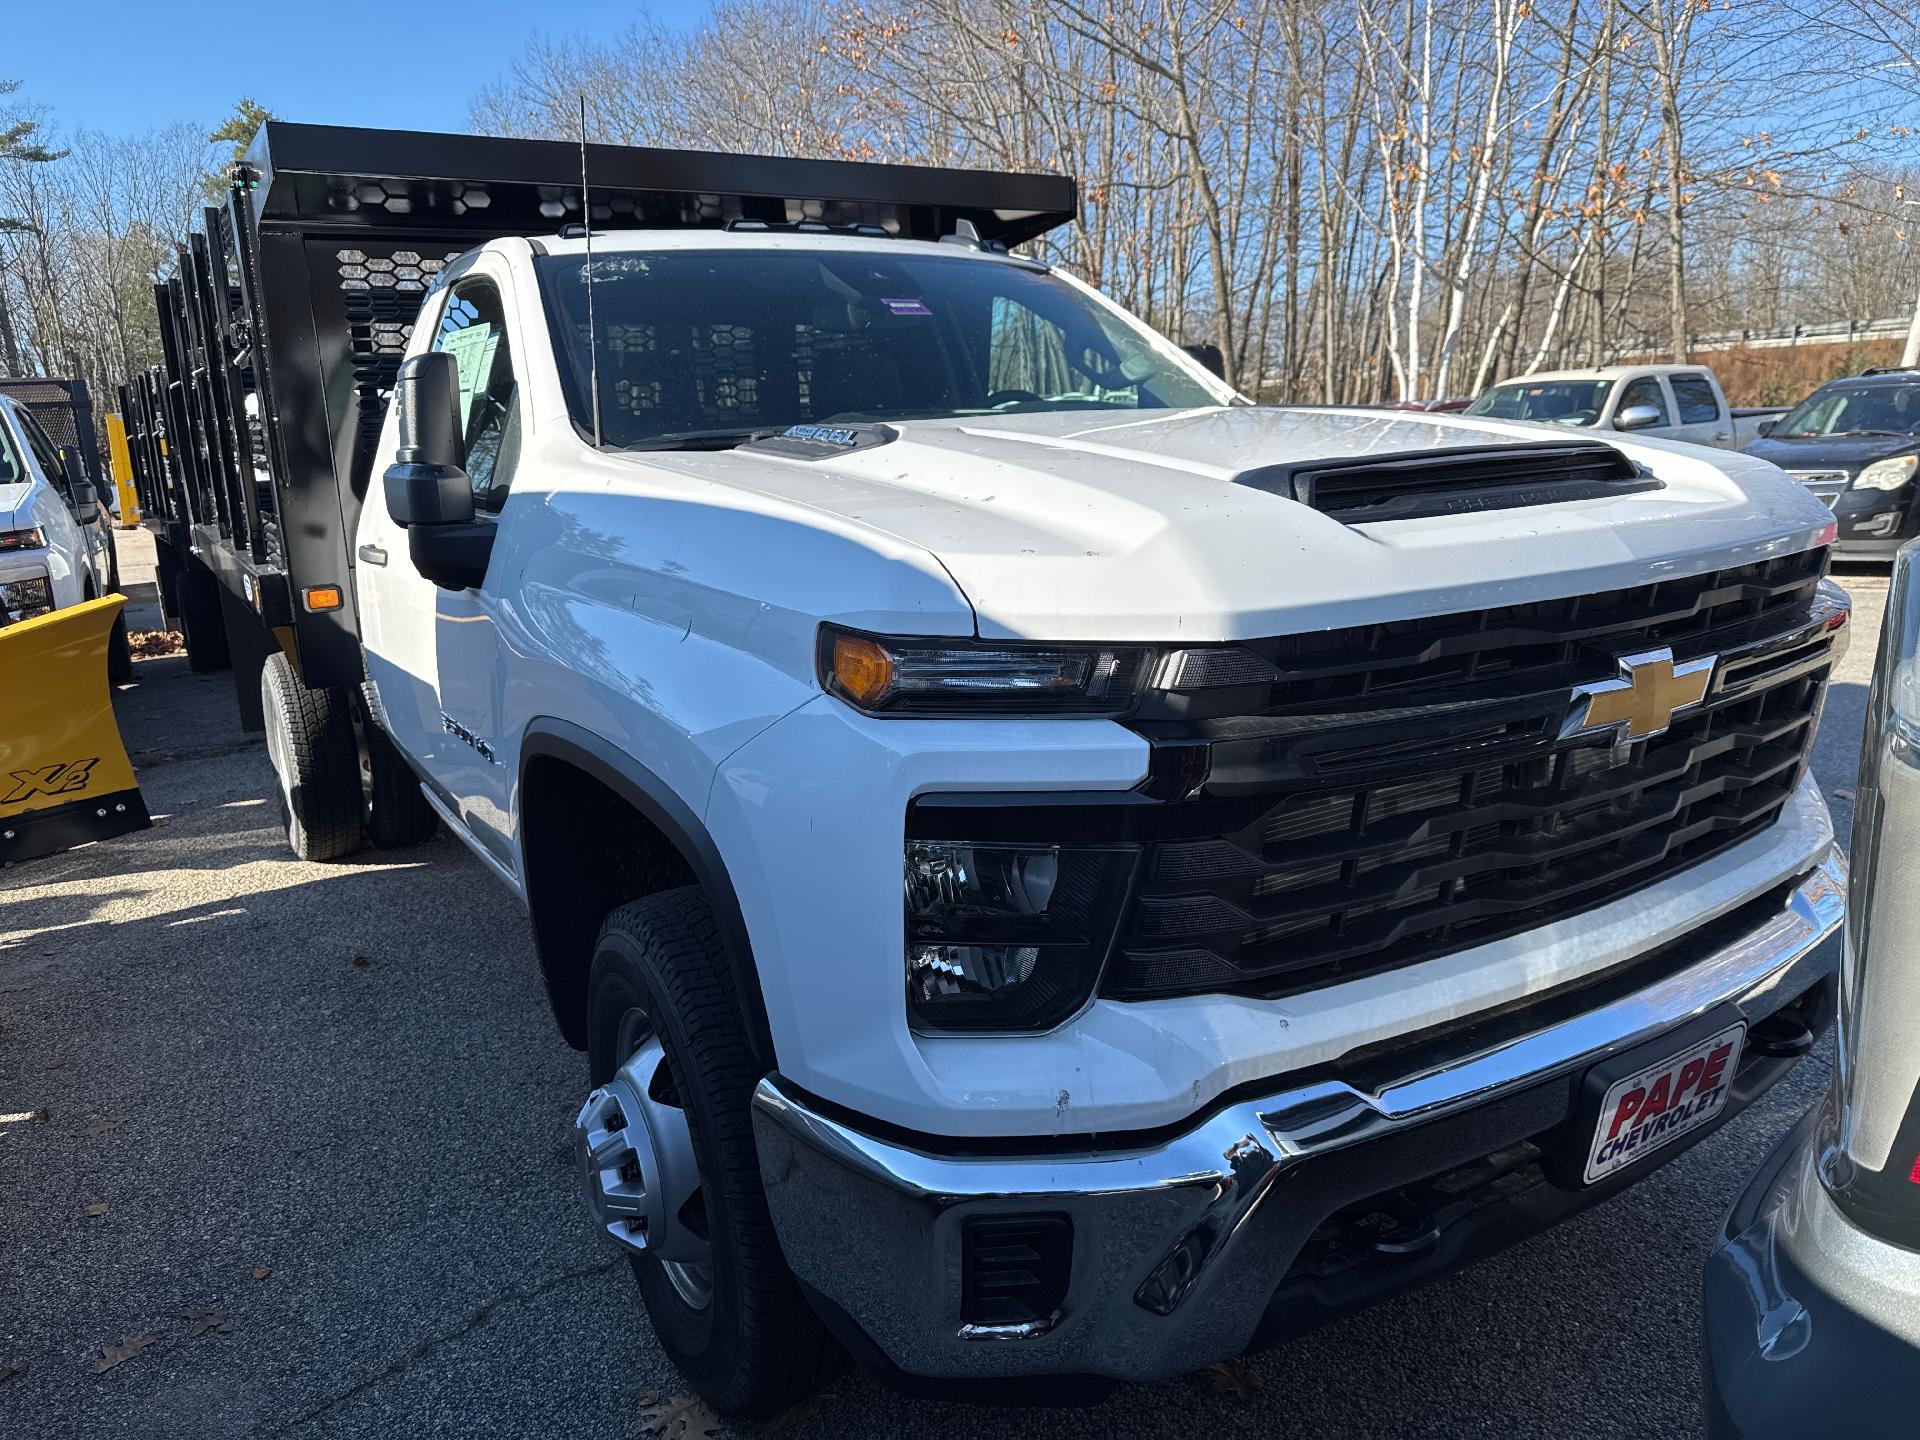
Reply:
x=637 y=1164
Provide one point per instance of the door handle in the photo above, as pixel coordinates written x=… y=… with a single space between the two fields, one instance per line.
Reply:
x=373 y=555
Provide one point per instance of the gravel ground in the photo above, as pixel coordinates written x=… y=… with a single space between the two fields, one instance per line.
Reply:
x=327 y=1115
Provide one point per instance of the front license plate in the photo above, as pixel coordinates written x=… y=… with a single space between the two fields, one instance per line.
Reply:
x=1663 y=1102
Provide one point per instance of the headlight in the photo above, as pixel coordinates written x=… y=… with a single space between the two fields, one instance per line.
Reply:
x=1885 y=474
x=1008 y=937
x=27 y=539
x=891 y=676
x=24 y=599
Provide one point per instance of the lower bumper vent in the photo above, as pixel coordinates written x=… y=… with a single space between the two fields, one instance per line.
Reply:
x=1014 y=1271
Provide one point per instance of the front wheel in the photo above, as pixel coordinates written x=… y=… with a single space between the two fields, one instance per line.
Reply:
x=666 y=1152
x=316 y=763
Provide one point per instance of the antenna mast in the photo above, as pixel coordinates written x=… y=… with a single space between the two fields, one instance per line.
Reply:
x=593 y=335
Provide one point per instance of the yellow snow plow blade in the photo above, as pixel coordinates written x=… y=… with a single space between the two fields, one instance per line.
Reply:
x=64 y=774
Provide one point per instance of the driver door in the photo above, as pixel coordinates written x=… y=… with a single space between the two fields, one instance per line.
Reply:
x=434 y=655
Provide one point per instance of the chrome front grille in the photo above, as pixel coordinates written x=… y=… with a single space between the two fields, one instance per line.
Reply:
x=1828 y=485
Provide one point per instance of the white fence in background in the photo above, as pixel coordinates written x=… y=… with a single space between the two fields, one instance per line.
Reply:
x=1831 y=332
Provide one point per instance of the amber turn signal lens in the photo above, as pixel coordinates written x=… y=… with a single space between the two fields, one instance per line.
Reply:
x=323 y=597
x=861 y=668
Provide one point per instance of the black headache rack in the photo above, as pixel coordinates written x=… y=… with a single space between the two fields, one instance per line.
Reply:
x=253 y=442
x=65 y=412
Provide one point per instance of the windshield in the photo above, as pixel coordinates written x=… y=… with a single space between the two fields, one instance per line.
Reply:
x=1854 y=410
x=1564 y=402
x=716 y=343
x=12 y=472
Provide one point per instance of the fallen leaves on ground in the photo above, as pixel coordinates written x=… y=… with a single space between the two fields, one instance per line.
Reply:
x=99 y=1207
x=677 y=1417
x=260 y=1272
x=361 y=962
x=102 y=1125
x=118 y=1354
x=1230 y=1377
x=208 y=1321
x=146 y=644
x=12 y=1370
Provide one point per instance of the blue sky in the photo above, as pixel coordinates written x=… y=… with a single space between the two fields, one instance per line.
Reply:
x=133 y=64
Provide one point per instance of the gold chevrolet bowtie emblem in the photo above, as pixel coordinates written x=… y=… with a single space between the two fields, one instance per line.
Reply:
x=1642 y=702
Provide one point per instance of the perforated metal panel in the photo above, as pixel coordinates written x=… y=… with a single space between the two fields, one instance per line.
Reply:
x=382 y=288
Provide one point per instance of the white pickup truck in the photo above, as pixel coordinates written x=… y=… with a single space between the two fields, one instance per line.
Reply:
x=1670 y=402
x=54 y=552
x=1060 y=874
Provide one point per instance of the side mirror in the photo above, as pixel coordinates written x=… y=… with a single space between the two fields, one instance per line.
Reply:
x=428 y=492
x=1765 y=427
x=1636 y=417
x=1208 y=354
x=80 y=491
x=427 y=483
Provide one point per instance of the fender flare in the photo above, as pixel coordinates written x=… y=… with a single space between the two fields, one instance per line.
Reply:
x=551 y=738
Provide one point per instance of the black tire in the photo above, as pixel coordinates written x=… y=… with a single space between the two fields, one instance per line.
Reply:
x=397 y=812
x=756 y=1348
x=119 y=652
x=316 y=763
x=113 y=561
x=201 y=624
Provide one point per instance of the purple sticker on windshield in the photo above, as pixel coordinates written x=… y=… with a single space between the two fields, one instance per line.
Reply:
x=906 y=307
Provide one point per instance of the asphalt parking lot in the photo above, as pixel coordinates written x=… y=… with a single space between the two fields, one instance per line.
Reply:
x=285 y=1150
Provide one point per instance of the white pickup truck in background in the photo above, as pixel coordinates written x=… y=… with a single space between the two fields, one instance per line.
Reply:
x=1673 y=402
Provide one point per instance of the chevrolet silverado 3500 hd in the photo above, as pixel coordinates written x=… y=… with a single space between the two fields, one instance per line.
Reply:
x=1058 y=872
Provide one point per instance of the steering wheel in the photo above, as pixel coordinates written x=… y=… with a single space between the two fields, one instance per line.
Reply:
x=997 y=398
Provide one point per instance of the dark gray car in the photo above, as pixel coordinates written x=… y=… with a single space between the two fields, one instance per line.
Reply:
x=1813 y=1294
x=1856 y=444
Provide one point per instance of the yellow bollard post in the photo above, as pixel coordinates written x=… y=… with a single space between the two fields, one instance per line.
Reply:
x=121 y=460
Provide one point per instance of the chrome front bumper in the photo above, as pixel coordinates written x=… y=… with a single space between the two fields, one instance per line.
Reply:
x=1180 y=1244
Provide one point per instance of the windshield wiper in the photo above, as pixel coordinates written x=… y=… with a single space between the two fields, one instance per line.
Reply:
x=706 y=439
x=1870 y=432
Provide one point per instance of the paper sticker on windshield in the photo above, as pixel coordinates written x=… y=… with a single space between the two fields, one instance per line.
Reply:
x=907 y=307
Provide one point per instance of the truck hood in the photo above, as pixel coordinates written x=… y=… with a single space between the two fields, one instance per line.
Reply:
x=14 y=504
x=1134 y=527
x=1852 y=453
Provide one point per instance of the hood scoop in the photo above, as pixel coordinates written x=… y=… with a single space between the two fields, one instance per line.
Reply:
x=1412 y=484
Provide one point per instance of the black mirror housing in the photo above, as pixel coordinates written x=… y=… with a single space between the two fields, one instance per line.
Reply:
x=428 y=490
x=427 y=483
x=81 y=495
x=1208 y=354
x=428 y=494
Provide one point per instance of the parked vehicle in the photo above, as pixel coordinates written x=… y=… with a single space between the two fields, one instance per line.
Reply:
x=1057 y=871
x=1812 y=1291
x=1669 y=402
x=52 y=551
x=1855 y=443
x=64 y=774
x=64 y=411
